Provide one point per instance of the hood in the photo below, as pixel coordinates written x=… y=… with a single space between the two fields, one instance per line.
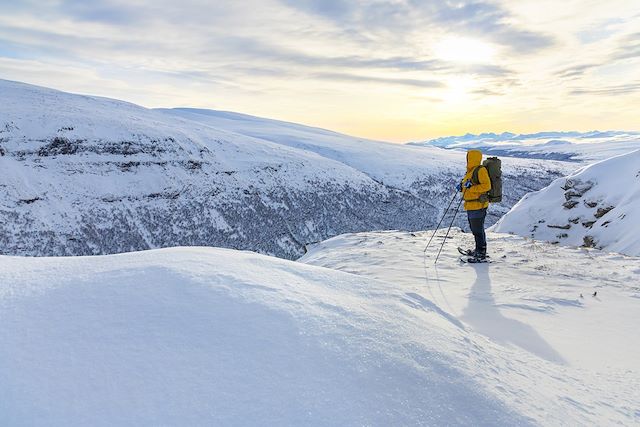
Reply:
x=474 y=158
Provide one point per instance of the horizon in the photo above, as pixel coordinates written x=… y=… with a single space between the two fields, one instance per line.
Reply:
x=396 y=71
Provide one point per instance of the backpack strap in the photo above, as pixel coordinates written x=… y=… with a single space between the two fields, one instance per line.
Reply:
x=475 y=181
x=474 y=175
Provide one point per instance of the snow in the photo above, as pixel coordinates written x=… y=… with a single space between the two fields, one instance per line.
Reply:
x=599 y=205
x=575 y=146
x=530 y=329
x=83 y=175
x=208 y=336
x=370 y=157
x=204 y=336
x=363 y=330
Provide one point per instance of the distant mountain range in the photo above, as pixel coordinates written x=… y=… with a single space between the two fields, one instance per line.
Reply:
x=568 y=146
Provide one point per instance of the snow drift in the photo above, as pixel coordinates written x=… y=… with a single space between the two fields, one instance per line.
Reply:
x=218 y=337
x=598 y=206
x=83 y=175
x=554 y=328
x=202 y=336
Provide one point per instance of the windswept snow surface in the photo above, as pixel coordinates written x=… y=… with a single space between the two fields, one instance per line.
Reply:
x=598 y=206
x=218 y=337
x=574 y=146
x=551 y=331
x=82 y=175
x=202 y=336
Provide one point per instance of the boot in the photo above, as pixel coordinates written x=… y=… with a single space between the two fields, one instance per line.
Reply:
x=480 y=254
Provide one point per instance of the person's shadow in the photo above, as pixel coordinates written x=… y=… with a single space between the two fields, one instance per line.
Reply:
x=483 y=316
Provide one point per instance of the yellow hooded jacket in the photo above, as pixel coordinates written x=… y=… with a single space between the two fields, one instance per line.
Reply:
x=471 y=195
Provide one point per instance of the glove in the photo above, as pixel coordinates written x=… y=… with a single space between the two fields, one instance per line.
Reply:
x=468 y=184
x=459 y=186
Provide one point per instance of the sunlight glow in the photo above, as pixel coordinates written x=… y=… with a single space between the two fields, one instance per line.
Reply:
x=464 y=50
x=458 y=89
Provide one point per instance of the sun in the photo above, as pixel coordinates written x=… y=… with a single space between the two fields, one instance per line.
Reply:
x=464 y=50
x=458 y=88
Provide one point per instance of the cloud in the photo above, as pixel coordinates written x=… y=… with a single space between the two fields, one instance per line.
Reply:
x=627 y=47
x=332 y=9
x=623 y=89
x=257 y=48
x=104 y=11
x=576 y=70
x=487 y=92
x=270 y=54
x=371 y=79
x=478 y=18
x=249 y=48
x=207 y=46
x=487 y=70
x=600 y=30
x=489 y=20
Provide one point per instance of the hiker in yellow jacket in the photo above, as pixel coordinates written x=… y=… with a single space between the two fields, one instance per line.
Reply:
x=474 y=186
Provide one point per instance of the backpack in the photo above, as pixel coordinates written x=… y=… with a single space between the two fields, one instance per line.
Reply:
x=494 y=170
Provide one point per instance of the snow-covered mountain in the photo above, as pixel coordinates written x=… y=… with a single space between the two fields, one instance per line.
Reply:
x=570 y=146
x=84 y=175
x=203 y=336
x=597 y=206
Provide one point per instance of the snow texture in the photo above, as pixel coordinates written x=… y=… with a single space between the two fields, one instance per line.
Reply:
x=551 y=331
x=218 y=337
x=597 y=206
x=82 y=175
x=202 y=336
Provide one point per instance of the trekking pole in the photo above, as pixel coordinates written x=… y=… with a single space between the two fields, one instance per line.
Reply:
x=441 y=219
x=455 y=214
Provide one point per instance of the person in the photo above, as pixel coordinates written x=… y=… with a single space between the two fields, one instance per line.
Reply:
x=474 y=187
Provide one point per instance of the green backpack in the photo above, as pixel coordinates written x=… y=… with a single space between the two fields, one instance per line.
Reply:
x=494 y=170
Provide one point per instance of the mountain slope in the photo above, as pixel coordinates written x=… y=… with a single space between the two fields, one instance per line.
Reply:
x=85 y=175
x=404 y=168
x=597 y=206
x=203 y=336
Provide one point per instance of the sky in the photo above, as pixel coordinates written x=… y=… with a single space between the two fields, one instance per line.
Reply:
x=397 y=70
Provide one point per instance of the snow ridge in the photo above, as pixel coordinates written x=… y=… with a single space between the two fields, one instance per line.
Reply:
x=597 y=206
x=202 y=336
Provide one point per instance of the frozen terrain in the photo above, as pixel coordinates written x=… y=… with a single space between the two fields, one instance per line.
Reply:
x=82 y=175
x=550 y=330
x=571 y=146
x=597 y=206
x=203 y=336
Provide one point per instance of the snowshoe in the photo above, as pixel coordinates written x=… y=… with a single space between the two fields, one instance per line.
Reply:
x=469 y=253
x=466 y=252
x=475 y=260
